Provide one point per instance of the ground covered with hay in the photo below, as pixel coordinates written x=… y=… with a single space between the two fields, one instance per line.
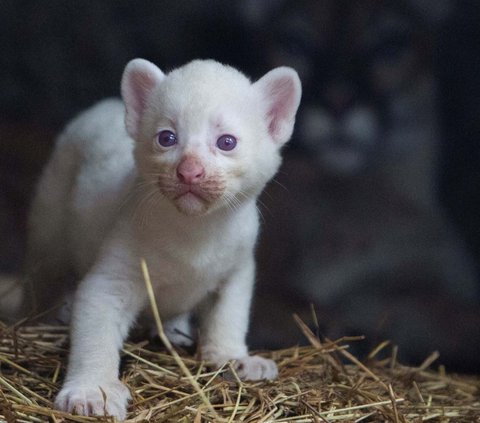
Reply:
x=319 y=383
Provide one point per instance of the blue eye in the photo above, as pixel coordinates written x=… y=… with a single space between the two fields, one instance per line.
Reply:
x=166 y=138
x=226 y=142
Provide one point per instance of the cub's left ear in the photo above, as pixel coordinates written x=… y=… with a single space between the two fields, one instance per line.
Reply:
x=280 y=91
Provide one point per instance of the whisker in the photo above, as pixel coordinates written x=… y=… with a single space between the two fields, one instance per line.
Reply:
x=140 y=211
x=231 y=203
x=274 y=180
x=133 y=192
x=262 y=217
x=260 y=210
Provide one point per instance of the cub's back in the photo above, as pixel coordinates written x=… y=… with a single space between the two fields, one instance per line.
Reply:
x=81 y=187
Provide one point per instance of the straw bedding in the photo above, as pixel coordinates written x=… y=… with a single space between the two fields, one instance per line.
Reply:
x=319 y=383
x=322 y=382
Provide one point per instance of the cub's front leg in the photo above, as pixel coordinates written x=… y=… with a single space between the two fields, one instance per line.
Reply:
x=224 y=323
x=104 y=308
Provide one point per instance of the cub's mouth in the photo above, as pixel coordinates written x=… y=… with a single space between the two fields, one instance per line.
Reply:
x=190 y=203
x=193 y=199
x=190 y=192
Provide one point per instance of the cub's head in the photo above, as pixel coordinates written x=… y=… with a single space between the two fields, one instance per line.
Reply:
x=205 y=135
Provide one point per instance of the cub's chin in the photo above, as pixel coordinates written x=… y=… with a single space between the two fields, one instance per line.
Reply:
x=191 y=205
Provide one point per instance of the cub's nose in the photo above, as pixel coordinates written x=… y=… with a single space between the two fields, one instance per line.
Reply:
x=190 y=171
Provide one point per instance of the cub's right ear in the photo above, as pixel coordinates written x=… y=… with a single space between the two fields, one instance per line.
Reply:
x=139 y=79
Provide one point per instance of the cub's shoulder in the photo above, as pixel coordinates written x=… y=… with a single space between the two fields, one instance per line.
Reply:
x=99 y=130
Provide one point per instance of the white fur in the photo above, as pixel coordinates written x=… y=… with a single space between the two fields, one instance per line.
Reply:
x=99 y=209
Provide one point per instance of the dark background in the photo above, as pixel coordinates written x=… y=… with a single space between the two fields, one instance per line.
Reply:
x=373 y=219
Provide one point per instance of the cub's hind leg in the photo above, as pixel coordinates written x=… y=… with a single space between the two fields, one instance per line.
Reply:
x=48 y=275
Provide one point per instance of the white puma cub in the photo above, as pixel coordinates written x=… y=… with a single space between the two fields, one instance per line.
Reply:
x=170 y=175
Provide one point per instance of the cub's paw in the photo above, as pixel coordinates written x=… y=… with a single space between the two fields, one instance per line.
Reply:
x=110 y=398
x=179 y=337
x=179 y=331
x=255 y=368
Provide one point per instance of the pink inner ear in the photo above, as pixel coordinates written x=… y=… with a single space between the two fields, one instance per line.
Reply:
x=141 y=83
x=273 y=115
x=139 y=79
x=283 y=105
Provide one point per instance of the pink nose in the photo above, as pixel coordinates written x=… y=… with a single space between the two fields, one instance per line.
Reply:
x=190 y=171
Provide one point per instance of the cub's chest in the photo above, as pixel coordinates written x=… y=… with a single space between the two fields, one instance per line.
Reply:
x=182 y=281
x=198 y=254
x=197 y=265
x=186 y=263
x=192 y=256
